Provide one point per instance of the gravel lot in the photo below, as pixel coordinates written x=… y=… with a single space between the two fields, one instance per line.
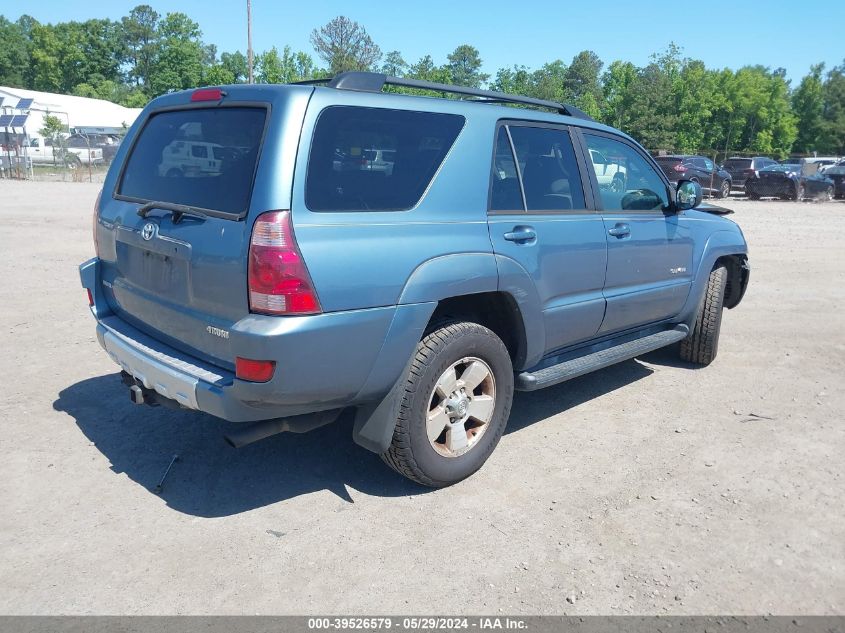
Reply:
x=649 y=487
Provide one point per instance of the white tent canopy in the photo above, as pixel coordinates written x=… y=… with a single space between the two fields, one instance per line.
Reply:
x=77 y=112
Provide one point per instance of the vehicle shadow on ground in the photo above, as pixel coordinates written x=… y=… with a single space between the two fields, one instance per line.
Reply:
x=212 y=479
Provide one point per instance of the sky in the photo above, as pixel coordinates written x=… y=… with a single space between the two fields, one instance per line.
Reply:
x=774 y=33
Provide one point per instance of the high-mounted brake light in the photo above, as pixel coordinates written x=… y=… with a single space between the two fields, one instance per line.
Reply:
x=279 y=282
x=254 y=370
x=207 y=94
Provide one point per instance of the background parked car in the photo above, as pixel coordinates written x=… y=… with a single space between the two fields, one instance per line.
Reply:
x=714 y=181
x=741 y=168
x=793 y=181
x=106 y=142
x=837 y=175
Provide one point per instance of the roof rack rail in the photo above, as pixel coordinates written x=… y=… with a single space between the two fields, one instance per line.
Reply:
x=375 y=82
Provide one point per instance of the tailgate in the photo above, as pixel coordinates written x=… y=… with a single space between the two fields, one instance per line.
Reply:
x=183 y=278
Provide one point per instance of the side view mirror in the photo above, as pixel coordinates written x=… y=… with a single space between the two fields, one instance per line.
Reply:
x=688 y=195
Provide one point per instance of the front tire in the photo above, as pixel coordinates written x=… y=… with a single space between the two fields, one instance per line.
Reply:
x=798 y=192
x=701 y=345
x=455 y=405
x=724 y=190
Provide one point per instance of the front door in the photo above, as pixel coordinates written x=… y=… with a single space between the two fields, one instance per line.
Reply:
x=539 y=218
x=649 y=249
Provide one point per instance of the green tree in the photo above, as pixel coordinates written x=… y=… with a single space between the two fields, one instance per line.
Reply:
x=14 y=54
x=179 y=62
x=833 y=115
x=581 y=82
x=465 y=67
x=345 y=45
x=617 y=86
x=236 y=64
x=808 y=103
x=394 y=64
x=53 y=130
x=140 y=34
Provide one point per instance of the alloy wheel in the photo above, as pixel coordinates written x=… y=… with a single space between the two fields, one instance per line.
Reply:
x=461 y=406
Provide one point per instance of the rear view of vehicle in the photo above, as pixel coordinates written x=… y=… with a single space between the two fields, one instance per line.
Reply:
x=741 y=169
x=183 y=245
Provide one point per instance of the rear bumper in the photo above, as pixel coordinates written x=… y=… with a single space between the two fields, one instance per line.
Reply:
x=323 y=362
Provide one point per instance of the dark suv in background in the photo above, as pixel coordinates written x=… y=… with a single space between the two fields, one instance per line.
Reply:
x=741 y=169
x=700 y=169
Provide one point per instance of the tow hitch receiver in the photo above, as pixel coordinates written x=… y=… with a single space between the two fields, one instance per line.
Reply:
x=136 y=394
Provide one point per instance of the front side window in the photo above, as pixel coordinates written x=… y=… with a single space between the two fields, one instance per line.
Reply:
x=550 y=177
x=375 y=159
x=630 y=183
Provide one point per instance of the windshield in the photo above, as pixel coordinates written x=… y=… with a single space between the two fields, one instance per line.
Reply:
x=201 y=157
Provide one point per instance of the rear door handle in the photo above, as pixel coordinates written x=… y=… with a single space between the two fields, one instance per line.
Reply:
x=521 y=234
x=620 y=230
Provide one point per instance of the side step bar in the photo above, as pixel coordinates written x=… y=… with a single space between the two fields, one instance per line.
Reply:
x=567 y=370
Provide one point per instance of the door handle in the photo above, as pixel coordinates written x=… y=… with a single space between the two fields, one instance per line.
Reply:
x=521 y=234
x=620 y=230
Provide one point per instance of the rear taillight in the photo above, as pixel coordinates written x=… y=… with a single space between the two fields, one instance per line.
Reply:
x=90 y=297
x=279 y=282
x=680 y=168
x=94 y=222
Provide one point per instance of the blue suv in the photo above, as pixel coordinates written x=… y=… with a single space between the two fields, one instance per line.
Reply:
x=274 y=255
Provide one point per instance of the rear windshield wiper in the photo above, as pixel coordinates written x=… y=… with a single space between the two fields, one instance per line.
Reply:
x=178 y=210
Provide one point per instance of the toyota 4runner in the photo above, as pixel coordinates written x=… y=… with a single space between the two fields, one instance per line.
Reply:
x=291 y=282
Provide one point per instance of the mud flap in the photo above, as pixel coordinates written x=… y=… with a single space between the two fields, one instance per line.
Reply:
x=374 y=423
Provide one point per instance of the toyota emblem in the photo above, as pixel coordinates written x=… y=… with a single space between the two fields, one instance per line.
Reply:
x=149 y=231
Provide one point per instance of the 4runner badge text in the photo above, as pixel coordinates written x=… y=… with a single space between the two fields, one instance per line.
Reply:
x=217 y=331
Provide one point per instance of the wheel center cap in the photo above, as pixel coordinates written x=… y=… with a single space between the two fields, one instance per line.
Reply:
x=462 y=408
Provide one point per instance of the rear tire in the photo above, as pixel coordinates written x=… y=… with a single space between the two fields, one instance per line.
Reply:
x=444 y=460
x=753 y=196
x=701 y=345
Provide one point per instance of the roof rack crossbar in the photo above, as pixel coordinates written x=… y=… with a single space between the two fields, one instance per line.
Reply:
x=375 y=82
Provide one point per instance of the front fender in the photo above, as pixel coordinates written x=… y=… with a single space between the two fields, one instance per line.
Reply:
x=719 y=244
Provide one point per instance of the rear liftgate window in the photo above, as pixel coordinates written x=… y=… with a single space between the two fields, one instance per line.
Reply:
x=374 y=159
x=203 y=157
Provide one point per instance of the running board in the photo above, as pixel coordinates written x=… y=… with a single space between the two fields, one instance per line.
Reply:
x=567 y=370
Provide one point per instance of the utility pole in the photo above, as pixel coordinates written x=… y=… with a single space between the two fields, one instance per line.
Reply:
x=249 y=38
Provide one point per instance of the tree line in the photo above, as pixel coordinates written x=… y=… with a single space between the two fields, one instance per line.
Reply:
x=672 y=103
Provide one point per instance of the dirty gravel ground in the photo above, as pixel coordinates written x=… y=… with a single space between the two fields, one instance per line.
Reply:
x=649 y=487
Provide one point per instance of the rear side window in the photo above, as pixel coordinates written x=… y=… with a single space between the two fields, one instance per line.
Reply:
x=375 y=159
x=164 y=167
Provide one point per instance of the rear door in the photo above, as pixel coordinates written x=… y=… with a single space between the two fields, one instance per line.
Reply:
x=540 y=217
x=183 y=279
x=649 y=250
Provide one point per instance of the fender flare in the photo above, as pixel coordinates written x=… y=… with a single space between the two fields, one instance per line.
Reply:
x=719 y=244
x=432 y=281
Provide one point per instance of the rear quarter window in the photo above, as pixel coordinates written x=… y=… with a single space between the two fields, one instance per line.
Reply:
x=165 y=164
x=375 y=159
